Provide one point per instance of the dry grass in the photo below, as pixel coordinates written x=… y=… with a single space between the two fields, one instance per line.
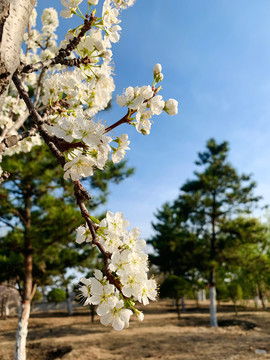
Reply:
x=161 y=336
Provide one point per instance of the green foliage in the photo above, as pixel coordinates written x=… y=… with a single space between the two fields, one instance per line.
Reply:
x=38 y=208
x=56 y=295
x=207 y=234
x=37 y=297
x=174 y=287
x=176 y=247
x=235 y=291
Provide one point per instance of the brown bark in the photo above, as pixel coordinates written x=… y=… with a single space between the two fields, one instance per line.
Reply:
x=261 y=297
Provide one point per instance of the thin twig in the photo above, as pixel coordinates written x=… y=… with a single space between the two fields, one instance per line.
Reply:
x=19 y=122
x=13 y=140
x=77 y=61
x=63 y=52
x=125 y=119
x=4 y=133
x=39 y=86
x=81 y=195
x=51 y=141
x=34 y=288
x=5 y=175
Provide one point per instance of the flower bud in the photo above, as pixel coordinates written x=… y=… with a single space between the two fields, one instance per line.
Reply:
x=171 y=107
x=139 y=314
x=106 y=54
x=157 y=69
x=159 y=77
x=92 y=2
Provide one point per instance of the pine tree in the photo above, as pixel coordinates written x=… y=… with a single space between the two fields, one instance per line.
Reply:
x=39 y=209
x=206 y=226
x=216 y=194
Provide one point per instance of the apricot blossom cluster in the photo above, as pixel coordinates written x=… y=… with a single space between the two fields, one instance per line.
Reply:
x=70 y=84
x=83 y=92
x=127 y=268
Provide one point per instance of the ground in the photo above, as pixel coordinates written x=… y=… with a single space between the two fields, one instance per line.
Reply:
x=54 y=335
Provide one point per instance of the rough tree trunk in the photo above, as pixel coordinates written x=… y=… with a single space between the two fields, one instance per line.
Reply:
x=203 y=295
x=178 y=309
x=261 y=297
x=213 y=306
x=14 y=18
x=69 y=303
x=195 y=297
x=256 y=302
x=212 y=282
x=22 y=330
x=183 y=304
x=7 y=309
x=28 y=289
x=235 y=308
x=92 y=310
x=24 y=313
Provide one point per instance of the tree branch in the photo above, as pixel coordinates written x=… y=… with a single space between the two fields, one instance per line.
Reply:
x=5 y=175
x=13 y=140
x=81 y=194
x=77 y=61
x=51 y=141
x=7 y=223
x=125 y=119
x=63 y=52
x=16 y=211
x=34 y=288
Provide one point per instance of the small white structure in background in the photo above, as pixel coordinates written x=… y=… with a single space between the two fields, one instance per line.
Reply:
x=260 y=352
x=201 y=295
x=10 y=300
x=256 y=300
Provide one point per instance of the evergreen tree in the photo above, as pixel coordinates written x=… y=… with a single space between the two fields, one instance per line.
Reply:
x=39 y=210
x=174 y=287
x=208 y=212
x=217 y=193
x=178 y=250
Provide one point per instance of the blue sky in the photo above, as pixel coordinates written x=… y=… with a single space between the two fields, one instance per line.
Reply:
x=216 y=63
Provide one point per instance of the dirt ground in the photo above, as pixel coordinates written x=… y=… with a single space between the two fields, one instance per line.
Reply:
x=54 y=336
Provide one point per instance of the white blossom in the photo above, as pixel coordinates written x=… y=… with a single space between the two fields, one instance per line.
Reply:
x=171 y=107
x=157 y=69
x=143 y=123
x=49 y=20
x=70 y=7
x=117 y=316
x=84 y=291
x=157 y=105
x=128 y=265
x=83 y=234
x=79 y=166
x=74 y=97
x=120 y=152
x=116 y=222
x=109 y=15
x=147 y=291
x=124 y=3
